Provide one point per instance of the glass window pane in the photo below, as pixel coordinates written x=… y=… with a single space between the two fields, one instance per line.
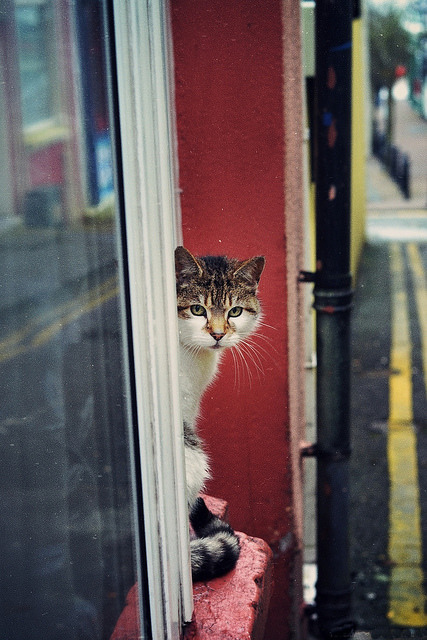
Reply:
x=33 y=27
x=68 y=543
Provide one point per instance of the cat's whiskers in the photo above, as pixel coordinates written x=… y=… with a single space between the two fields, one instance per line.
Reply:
x=244 y=356
x=265 y=349
x=236 y=370
x=261 y=323
x=193 y=349
x=267 y=339
x=252 y=353
x=245 y=366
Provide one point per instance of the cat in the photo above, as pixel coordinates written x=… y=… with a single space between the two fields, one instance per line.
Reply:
x=218 y=308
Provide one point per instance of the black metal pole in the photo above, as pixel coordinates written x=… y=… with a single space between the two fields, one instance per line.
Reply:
x=332 y=301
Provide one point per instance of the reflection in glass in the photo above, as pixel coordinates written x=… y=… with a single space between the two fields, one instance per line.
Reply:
x=67 y=532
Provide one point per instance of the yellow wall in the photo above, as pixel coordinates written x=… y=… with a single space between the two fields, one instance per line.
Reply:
x=358 y=150
x=358 y=156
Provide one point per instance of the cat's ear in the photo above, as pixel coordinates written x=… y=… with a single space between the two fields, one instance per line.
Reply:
x=186 y=266
x=250 y=270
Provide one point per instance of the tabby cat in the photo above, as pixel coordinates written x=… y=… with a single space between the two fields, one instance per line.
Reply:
x=217 y=308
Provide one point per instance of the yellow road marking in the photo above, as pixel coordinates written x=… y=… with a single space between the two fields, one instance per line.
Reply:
x=14 y=338
x=419 y=280
x=46 y=334
x=406 y=595
x=58 y=317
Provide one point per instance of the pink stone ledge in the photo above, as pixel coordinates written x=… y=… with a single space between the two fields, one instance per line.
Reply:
x=233 y=607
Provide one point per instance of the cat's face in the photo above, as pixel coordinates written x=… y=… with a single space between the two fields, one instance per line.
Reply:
x=217 y=302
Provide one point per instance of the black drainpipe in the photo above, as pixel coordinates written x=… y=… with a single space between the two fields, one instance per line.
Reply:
x=332 y=302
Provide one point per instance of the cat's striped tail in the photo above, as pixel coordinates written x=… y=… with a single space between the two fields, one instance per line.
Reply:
x=216 y=549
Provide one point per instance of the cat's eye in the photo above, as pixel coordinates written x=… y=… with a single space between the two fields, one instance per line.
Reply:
x=197 y=310
x=235 y=312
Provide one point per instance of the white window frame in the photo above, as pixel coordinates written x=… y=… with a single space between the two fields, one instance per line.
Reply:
x=142 y=36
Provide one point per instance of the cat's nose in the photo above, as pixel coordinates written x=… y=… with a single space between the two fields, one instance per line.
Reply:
x=217 y=336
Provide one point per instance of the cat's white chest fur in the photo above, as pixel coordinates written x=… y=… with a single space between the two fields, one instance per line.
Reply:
x=197 y=371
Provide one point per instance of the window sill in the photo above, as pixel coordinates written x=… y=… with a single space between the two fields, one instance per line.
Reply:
x=233 y=607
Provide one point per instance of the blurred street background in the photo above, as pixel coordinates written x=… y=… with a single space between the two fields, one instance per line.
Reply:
x=395 y=226
x=389 y=412
x=388 y=527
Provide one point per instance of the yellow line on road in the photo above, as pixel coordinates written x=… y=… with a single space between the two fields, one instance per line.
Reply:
x=406 y=595
x=57 y=317
x=13 y=340
x=420 y=289
x=46 y=334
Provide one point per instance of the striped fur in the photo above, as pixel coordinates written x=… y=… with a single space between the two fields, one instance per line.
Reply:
x=217 y=308
x=216 y=549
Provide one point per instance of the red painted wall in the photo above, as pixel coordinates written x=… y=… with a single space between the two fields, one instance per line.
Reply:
x=229 y=104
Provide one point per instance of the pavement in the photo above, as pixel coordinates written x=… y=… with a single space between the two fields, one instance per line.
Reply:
x=382 y=193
